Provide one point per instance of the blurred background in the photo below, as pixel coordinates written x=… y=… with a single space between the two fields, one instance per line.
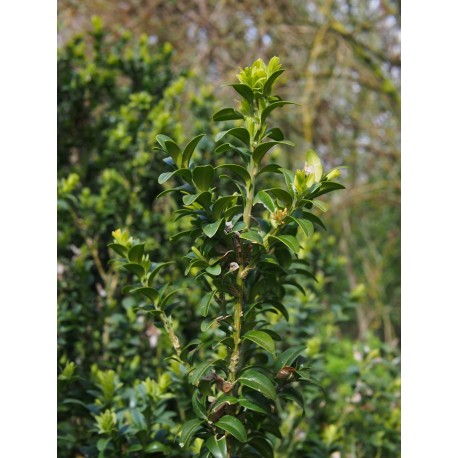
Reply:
x=129 y=70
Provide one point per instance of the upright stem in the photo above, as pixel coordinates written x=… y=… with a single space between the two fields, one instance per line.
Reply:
x=249 y=194
x=238 y=312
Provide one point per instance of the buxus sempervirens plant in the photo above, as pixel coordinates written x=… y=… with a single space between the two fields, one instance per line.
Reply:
x=244 y=251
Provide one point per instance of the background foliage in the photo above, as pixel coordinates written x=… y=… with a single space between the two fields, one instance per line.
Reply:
x=118 y=90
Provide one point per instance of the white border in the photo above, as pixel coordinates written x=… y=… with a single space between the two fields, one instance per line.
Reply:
x=28 y=228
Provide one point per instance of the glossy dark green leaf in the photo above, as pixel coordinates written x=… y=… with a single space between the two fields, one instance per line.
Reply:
x=206 y=302
x=270 y=168
x=262 y=149
x=327 y=186
x=188 y=431
x=254 y=406
x=314 y=219
x=149 y=293
x=136 y=269
x=259 y=382
x=157 y=447
x=238 y=132
x=185 y=173
x=272 y=107
x=262 y=339
x=136 y=253
x=203 y=198
x=156 y=269
x=288 y=357
x=227 y=114
x=252 y=236
x=239 y=170
x=221 y=204
x=189 y=150
x=265 y=199
x=244 y=90
x=198 y=406
x=199 y=371
x=202 y=176
x=119 y=249
x=288 y=240
x=263 y=447
x=217 y=447
x=304 y=224
x=275 y=134
x=224 y=148
x=212 y=228
x=233 y=426
x=281 y=194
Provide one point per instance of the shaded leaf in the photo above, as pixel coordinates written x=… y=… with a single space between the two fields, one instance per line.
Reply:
x=288 y=240
x=188 y=430
x=217 y=447
x=189 y=150
x=227 y=114
x=258 y=382
x=202 y=176
x=262 y=339
x=233 y=426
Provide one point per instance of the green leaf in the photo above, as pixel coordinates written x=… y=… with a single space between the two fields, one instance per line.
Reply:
x=198 y=372
x=244 y=90
x=156 y=447
x=233 y=426
x=314 y=219
x=327 y=186
x=254 y=406
x=217 y=447
x=241 y=171
x=288 y=357
x=262 y=149
x=149 y=293
x=189 y=150
x=185 y=173
x=262 y=339
x=224 y=399
x=258 y=382
x=224 y=148
x=202 y=176
x=313 y=161
x=120 y=249
x=197 y=406
x=304 y=224
x=211 y=229
x=205 y=302
x=263 y=447
x=136 y=269
x=270 y=168
x=272 y=107
x=227 y=114
x=214 y=270
x=221 y=204
x=271 y=80
x=136 y=253
x=203 y=198
x=134 y=448
x=156 y=270
x=275 y=134
x=281 y=194
x=288 y=240
x=252 y=236
x=174 y=150
x=238 y=132
x=265 y=199
x=188 y=430
x=103 y=443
